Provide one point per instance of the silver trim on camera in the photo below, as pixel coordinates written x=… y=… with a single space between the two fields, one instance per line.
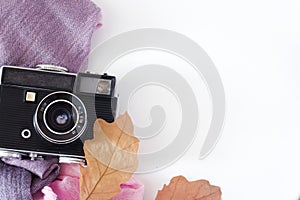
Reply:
x=38 y=129
x=52 y=68
x=7 y=153
x=70 y=160
x=10 y=154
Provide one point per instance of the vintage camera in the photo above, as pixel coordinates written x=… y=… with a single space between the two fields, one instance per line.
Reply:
x=47 y=111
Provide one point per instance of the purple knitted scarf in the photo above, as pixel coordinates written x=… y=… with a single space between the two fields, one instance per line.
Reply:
x=47 y=32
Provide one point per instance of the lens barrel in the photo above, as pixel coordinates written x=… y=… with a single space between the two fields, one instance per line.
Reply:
x=60 y=118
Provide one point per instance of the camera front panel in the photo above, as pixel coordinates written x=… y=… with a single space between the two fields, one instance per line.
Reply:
x=25 y=105
x=17 y=114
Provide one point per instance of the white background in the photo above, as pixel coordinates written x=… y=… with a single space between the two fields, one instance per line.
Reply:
x=255 y=46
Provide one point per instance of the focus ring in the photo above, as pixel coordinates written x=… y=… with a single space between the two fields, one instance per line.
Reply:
x=79 y=115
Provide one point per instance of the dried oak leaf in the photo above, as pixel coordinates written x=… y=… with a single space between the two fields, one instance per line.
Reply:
x=111 y=159
x=181 y=189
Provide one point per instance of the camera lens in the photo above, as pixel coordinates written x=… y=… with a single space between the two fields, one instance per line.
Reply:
x=61 y=117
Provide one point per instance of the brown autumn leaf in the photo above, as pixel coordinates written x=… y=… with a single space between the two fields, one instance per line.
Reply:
x=111 y=159
x=181 y=189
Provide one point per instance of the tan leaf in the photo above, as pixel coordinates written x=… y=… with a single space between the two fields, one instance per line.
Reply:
x=181 y=189
x=111 y=159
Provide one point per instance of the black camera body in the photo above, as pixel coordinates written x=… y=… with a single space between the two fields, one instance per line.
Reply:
x=47 y=111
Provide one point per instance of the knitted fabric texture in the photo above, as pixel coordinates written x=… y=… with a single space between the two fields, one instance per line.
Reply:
x=15 y=182
x=43 y=171
x=54 y=32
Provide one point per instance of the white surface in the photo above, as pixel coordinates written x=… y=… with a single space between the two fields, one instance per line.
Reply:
x=256 y=48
